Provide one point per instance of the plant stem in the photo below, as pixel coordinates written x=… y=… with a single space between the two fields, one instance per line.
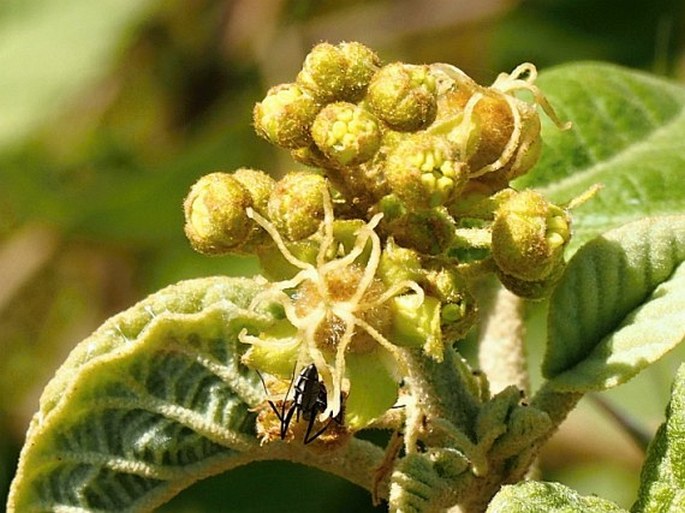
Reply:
x=502 y=354
x=440 y=391
x=356 y=461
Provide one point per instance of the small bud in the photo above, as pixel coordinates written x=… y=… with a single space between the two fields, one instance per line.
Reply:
x=216 y=222
x=258 y=184
x=403 y=96
x=398 y=264
x=422 y=170
x=528 y=236
x=296 y=204
x=285 y=115
x=347 y=134
x=362 y=65
x=532 y=290
x=478 y=201
x=334 y=73
x=430 y=232
x=459 y=311
x=310 y=156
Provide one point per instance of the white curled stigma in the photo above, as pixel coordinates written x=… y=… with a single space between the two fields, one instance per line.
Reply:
x=347 y=310
x=504 y=86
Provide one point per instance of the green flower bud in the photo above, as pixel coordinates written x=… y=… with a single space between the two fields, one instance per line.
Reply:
x=341 y=72
x=258 y=184
x=216 y=222
x=495 y=123
x=398 y=264
x=404 y=96
x=478 y=201
x=362 y=65
x=423 y=171
x=310 y=156
x=296 y=204
x=532 y=290
x=285 y=115
x=495 y=137
x=458 y=313
x=528 y=236
x=346 y=134
x=429 y=232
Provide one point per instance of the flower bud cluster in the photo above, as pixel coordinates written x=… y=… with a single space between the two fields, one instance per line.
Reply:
x=407 y=199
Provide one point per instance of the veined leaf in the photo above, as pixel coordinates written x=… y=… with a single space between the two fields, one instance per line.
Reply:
x=628 y=135
x=662 y=488
x=151 y=402
x=539 y=497
x=619 y=306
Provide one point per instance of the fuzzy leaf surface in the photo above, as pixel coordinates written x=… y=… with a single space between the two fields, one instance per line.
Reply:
x=542 y=497
x=619 y=306
x=628 y=134
x=151 y=402
x=662 y=483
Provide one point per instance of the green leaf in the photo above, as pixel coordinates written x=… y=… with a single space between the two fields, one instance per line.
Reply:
x=540 y=497
x=619 y=306
x=151 y=402
x=662 y=487
x=628 y=134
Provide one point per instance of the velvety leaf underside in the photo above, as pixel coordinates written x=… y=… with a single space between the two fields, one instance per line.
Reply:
x=619 y=306
x=157 y=400
x=541 y=497
x=662 y=486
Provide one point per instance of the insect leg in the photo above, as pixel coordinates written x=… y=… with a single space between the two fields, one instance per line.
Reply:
x=279 y=415
x=308 y=437
x=283 y=417
x=285 y=420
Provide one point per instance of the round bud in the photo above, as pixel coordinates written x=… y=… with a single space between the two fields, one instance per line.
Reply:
x=459 y=311
x=296 y=204
x=341 y=72
x=532 y=290
x=285 y=115
x=423 y=171
x=529 y=146
x=216 y=222
x=528 y=236
x=362 y=65
x=429 y=232
x=346 y=133
x=310 y=156
x=404 y=96
x=258 y=184
x=398 y=264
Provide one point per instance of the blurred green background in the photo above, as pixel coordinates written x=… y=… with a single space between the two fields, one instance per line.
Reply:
x=110 y=110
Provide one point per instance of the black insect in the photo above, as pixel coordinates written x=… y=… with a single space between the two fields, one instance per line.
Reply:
x=308 y=402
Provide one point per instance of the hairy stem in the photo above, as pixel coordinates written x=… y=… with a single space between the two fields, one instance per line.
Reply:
x=440 y=391
x=502 y=354
x=356 y=461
